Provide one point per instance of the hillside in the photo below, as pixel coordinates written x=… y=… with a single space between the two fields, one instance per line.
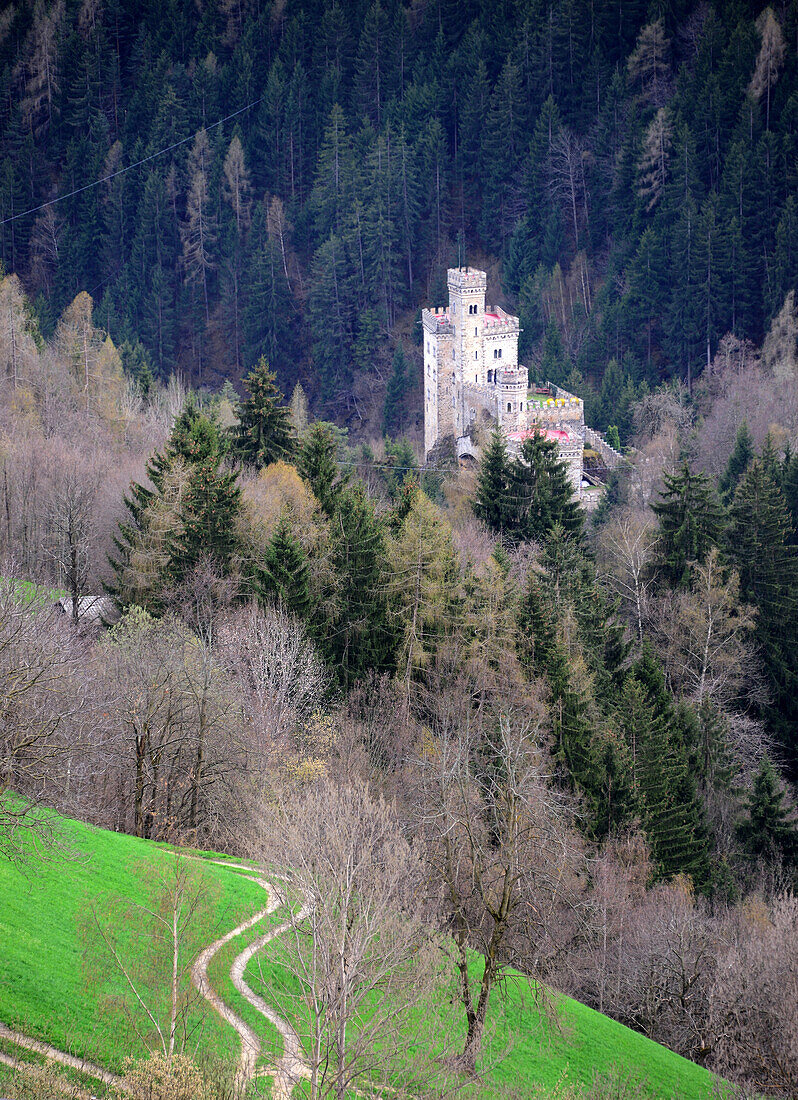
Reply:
x=44 y=992
x=293 y=180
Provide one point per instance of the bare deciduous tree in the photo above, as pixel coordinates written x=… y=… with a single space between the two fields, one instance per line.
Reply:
x=626 y=552
x=497 y=843
x=358 y=946
x=38 y=660
x=154 y=962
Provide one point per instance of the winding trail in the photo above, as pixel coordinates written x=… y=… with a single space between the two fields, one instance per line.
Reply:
x=24 y=1041
x=291 y=1066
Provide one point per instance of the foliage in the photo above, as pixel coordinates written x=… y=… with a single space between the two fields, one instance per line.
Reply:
x=264 y=432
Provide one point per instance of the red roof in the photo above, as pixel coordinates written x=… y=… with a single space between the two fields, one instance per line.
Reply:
x=493 y=316
x=550 y=433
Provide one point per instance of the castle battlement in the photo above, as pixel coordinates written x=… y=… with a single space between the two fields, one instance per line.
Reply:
x=472 y=378
x=470 y=277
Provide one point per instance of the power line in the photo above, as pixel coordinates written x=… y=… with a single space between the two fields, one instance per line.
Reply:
x=129 y=167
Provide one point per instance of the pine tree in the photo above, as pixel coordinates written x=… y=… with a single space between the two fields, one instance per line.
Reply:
x=769 y=831
x=738 y=463
x=690 y=523
x=285 y=576
x=317 y=464
x=542 y=490
x=492 y=503
x=264 y=433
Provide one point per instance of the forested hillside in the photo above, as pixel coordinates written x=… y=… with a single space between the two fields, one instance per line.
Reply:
x=306 y=172
x=532 y=741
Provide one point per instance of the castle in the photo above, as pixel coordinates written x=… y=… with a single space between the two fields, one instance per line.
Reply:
x=473 y=380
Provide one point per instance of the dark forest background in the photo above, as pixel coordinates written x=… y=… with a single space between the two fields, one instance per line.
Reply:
x=631 y=165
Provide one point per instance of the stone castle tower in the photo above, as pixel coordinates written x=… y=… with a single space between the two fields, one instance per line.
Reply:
x=470 y=362
x=471 y=372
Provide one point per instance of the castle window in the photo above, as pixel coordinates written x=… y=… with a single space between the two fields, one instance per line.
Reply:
x=476 y=333
x=476 y=377
x=476 y=355
x=509 y=407
x=500 y=353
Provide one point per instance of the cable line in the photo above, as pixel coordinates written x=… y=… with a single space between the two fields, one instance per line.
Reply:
x=129 y=167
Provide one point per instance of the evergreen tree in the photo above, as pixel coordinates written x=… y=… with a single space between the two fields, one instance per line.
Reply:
x=760 y=547
x=399 y=385
x=317 y=464
x=670 y=809
x=284 y=576
x=264 y=433
x=188 y=515
x=542 y=492
x=738 y=463
x=769 y=830
x=358 y=638
x=492 y=503
x=690 y=523
x=208 y=513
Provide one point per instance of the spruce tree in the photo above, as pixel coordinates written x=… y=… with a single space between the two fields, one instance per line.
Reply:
x=284 y=577
x=317 y=464
x=194 y=438
x=264 y=433
x=542 y=492
x=396 y=391
x=759 y=546
x=358 y=637
x=738 y=463
x=670 y=809
x=769 y=831
x=690 y=523
x=208 y=514
x=492 y=503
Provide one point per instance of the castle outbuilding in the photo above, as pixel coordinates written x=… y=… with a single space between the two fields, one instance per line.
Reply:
x=473 y=380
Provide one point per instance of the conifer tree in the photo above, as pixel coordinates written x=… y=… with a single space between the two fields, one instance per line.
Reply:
x=358 y=637
x=670 y=809
x=208 y=513
x=284 y=576
x=542 y=491
x=264 y=433
x=492 y=503
x=317 y=463
x=190 y=512
x=690 y=523
x=759 y=545
x=738 y=463
x=768 y=831
x=396 y=391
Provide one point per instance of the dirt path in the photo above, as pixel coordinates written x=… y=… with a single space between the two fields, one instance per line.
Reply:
x=290 y=1067
x=56 y=1055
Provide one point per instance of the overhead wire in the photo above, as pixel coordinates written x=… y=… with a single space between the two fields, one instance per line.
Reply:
x=130 y=167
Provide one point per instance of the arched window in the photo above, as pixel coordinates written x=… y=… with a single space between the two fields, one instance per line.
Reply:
x=509 y=406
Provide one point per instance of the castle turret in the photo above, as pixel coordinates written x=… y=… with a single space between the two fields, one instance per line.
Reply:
x=511 y=397
x=467 y=289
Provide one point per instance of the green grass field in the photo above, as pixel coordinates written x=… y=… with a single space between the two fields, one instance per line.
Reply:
x=531 y=1051
x=46 y=990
